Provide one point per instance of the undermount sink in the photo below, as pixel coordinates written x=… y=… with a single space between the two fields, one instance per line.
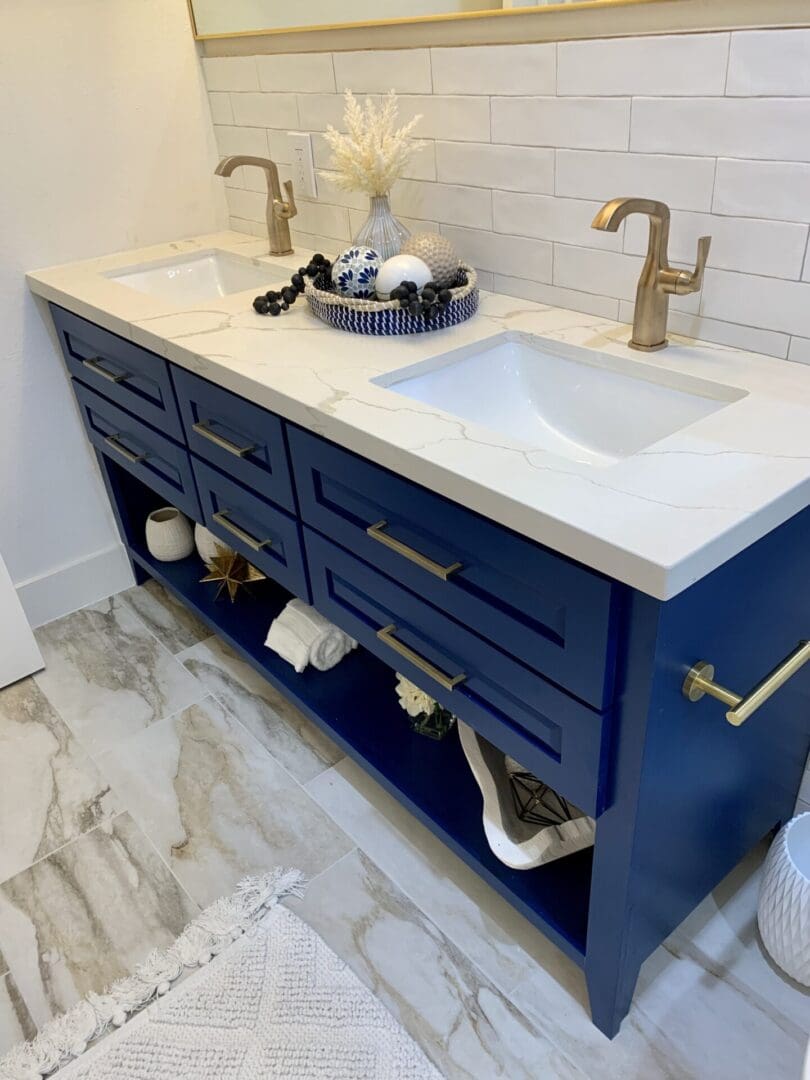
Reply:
x=577 y=403
x=205 y=275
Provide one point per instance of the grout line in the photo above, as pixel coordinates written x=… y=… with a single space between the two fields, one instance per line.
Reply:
x=728 y=66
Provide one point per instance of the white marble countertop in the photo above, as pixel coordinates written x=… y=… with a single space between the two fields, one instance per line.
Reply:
x=659 y=520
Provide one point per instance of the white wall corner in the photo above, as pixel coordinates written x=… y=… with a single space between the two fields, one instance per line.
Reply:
x=68 y=588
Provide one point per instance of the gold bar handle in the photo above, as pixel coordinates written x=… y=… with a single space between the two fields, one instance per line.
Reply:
x=221 y=517
x=220 y=440
x=92 y=364
x=376 y=533
x=700 y=681
x=112 y=440
x=447 y=682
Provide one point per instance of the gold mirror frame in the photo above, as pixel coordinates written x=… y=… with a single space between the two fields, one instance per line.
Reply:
x=550 y=22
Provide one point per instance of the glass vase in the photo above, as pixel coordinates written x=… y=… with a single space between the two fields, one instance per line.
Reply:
x=381 y=230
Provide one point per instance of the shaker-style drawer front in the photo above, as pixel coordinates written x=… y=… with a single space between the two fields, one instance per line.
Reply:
x=558 y=738
x=242 y=439
x=550 y=613
x=268 y=537
x=160 y=463
x=125 y=373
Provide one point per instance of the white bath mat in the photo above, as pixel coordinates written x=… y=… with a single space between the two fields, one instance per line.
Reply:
x=276 y=1003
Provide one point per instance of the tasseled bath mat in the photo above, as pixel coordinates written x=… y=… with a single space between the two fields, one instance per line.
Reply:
x=275 y=1002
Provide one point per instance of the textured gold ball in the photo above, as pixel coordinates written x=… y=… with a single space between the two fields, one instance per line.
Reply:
x=438 y=253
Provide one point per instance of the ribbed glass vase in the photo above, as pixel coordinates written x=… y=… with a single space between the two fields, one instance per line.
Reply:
x=381 y=230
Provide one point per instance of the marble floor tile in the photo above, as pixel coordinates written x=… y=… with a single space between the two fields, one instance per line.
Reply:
x=173 y=623
x=87 y=914
x=107 y=676
x=464 y=1023
x=495 y=936
x=50 y=790
x=16 y=1024
x=301 y=747
x=216 y=805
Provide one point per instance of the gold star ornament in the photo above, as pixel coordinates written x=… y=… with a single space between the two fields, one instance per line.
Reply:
x=232 y=571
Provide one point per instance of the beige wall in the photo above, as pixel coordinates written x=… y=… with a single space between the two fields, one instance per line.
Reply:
x=107 y=145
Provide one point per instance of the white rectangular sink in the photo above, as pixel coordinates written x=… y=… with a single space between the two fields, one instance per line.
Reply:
x=577 y=403
x=205 y=275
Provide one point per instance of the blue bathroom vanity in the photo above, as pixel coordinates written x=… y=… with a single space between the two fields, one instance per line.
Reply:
x=571 y=659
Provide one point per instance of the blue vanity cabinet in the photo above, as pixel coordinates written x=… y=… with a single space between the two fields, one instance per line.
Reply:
x=576 y=676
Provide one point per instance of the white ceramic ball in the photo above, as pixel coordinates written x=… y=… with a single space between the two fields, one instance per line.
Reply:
x=401 y=268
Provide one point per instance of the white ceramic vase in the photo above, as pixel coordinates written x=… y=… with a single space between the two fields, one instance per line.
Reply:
x=784 y=900
x=208 y=545
x=168 y=534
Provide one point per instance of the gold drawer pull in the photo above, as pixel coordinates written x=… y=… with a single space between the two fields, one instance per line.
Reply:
x=700 y=681
x=386 y=635
x=92 y=364
x=376 y=533
x=112 y=440
x=220 y=440
x=221 y=517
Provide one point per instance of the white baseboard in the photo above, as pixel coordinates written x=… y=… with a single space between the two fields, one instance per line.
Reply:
x=67 y=588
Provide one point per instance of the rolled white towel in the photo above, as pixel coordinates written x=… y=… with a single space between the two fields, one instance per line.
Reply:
x=301 y=635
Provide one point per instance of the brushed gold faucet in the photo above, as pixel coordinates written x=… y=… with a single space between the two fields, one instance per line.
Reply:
x=658 y=279
x=279 y=209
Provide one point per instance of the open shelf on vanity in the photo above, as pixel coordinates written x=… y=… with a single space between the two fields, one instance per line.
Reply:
x=356 y=704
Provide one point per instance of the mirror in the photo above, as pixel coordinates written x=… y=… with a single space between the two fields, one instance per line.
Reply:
x=220 y=18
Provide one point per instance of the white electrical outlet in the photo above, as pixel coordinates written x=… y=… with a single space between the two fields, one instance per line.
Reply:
x=303 y=166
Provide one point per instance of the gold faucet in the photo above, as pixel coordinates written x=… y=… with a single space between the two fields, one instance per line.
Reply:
x=658 y=279
x=279 y=210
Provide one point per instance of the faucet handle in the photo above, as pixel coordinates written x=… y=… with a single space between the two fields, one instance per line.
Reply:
x=681 y=282
x=286 y=208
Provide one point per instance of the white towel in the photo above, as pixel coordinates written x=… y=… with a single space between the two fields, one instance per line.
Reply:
x=301 y=635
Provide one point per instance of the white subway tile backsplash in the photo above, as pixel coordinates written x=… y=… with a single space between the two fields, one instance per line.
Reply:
x=512 y=255
x=221 y=111
x=507 y=168
x=723 y=333
x=586 y=123
x=799 y=350
x=449 y=203
x=265 y=110
x=376 y=72
x=316 y=112
x=682 y=65
x=770 y=128
x=495 y=69
x=774 y=248
x=304 y=72
x=684 y=183
x=465 y=119
x=241 y=140
x=605 y=273
x=546 y=217
x=558 y=297
x=324 y=220
x=250 y=205
x=230 y=72
x=770 y=62
x=770 y=303
x=778 y=190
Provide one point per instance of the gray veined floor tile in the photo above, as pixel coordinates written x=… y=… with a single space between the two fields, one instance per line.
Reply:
x=463 y=1022
x=87 y=914
x=503 y=944
x=16 y=1024
x=50 y=790
x=216 y=805
x=107 y=676
x=173 y=624
x=302 y=748
x=3 y=965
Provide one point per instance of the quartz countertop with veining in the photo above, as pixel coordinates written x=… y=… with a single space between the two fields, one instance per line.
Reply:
x=658 y=520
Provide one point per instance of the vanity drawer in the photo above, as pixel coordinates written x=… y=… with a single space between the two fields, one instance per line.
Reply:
x=242 y=439
x=552 y=614
x=555 y=736
x=268 y=537
x=130 y=376
x=160 y=463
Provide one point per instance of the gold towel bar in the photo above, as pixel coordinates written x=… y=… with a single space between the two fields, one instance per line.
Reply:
x=700 y=681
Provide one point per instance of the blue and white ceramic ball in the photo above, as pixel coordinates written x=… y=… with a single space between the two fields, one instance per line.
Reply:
x=354 y=273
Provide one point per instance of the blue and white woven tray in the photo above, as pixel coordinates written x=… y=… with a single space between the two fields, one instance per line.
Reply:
x=384 y=318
